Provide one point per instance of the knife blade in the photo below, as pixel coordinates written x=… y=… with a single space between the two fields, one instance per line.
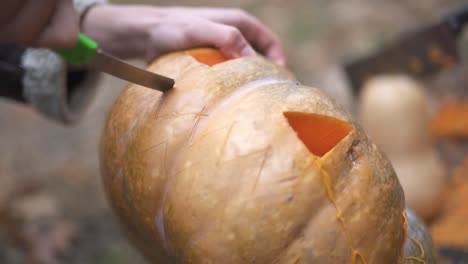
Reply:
x=420 y=53
x=87 y=51
x=109 y=64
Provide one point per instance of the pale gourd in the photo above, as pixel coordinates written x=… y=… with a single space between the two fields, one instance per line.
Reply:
x=394 y=113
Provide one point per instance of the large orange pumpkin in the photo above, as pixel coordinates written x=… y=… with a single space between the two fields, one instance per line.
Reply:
x=239 y=163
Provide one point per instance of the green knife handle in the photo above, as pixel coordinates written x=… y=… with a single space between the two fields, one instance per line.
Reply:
x=83 y=52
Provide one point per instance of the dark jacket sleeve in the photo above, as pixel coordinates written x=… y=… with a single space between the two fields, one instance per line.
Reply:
x=11 y=72
x=42 y=79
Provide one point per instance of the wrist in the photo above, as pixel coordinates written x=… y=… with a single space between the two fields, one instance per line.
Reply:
x=121 y=30
x=83 y=6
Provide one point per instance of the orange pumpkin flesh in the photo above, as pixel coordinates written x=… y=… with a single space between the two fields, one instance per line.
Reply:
x=238 y=164
x=208 y=57
x=319 y=133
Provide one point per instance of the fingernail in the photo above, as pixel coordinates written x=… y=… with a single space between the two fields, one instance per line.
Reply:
x=247 y=51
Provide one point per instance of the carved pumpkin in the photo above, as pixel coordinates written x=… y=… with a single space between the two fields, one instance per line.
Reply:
x=241 y=164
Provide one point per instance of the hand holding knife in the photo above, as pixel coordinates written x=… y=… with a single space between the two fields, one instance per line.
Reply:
x=87 y=51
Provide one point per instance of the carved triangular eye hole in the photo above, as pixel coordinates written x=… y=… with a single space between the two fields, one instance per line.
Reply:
x=319 y=133
x=207 y=56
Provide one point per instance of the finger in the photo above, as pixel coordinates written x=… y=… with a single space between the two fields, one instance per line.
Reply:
x=63 y=29
x=29 y=22
x=267 y=42
x=257 y=33
x=260 y=36
x=227 y=38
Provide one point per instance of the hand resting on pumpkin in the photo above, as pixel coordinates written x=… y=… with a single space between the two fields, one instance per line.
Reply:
x=136 y=31
x=127 y=31
x=145 y=32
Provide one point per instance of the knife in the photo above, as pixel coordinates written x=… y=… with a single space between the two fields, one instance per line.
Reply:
x=87 y=51
x=420 y=53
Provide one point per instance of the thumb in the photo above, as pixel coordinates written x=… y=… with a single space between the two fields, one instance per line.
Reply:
x=226 y=38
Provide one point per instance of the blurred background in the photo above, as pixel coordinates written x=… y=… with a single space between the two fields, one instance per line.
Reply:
x=52 y=204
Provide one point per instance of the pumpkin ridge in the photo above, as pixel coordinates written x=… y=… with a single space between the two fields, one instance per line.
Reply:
x=326 y=180
x=325 y=177
x=297 y=234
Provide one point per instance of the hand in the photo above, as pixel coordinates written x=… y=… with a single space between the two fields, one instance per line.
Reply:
x=42 y=23
x=147 y=32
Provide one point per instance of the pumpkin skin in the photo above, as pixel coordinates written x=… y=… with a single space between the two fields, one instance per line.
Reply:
x=222 y=169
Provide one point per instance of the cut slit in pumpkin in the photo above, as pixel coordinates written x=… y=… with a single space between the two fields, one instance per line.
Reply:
x=207 y=56
x=319 y=133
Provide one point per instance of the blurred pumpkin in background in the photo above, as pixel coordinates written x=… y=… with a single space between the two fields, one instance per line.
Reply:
x=394 y=112
x=241 y=164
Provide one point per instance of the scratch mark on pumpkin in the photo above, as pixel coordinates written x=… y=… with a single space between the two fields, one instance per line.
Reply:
x=144 y=102
x=158 y=109
x=262 y=166
x=213 y=131
x=173 y=115
x=255 y=152
x=125 y=137
x=165 y=158
x=264 y=151
x=195 y=126
x=152 y=147
x=218 y=167
x=223 y=146
x=287 y=179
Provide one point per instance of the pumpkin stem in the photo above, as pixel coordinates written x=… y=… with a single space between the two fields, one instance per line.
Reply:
x=319 y=133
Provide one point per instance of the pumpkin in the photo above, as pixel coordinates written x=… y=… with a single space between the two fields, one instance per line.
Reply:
x=239 y=163
x=394 y=112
